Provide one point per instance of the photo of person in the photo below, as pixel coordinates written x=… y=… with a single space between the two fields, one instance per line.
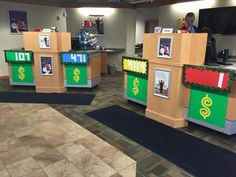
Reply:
x=161 y=83
x=164 y=47
x=44 y=41
x=46 y=65
x=18 y=21
x=97 y=24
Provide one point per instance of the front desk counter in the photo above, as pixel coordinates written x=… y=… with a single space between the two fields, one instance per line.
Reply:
x=165 y=91
x=107 y=56
x=81 y=68
x=210 y=97
x=135 y=79
x=20 y=67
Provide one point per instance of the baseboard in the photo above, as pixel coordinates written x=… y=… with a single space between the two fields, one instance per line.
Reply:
x=51 y=89
x=4 y=77
x=169 y=121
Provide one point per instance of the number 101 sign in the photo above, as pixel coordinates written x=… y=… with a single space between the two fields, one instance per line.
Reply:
x=18 y=56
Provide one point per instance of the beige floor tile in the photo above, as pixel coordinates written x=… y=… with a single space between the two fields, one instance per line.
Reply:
x=62 y=168
x=48 y=130
x=10 y=145
x=69 y=125
x=22 y=168
x=129 y=171
x=103 y=150
x=37 y=173
x=62 y=122
x=99 y=169
x=6 y=133
x=90 y=165
x=70 y=149
x=79 y=133
x=84 y=159
x=59 y=140
x=15 y=155
x=60 y=147
x=116 y=175
x=49 y=157
x=35 y=144
x=90 y=141
x=30 y=130
x=3 y=171
x=118 y=161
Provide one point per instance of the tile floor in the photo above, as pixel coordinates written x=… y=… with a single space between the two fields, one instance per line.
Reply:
x=38 y=141
x=110 y=92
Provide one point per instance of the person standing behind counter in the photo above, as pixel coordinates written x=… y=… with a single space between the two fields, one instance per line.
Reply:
x=189 y=19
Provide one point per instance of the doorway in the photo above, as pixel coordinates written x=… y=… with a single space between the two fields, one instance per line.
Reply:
x=150 y=24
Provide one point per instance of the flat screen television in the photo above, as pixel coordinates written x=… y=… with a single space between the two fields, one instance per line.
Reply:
x=219 y=20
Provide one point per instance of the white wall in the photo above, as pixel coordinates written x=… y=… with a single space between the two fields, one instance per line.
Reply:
x=38 y=16
x=170 y=13
x=119 y=28
x=142 y=15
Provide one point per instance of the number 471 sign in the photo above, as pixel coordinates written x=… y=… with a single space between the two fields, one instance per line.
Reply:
x=18 y=56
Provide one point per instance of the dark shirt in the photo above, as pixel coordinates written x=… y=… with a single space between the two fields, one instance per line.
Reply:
x=193 y=29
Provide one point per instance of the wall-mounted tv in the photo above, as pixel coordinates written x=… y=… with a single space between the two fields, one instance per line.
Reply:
x=219 y=20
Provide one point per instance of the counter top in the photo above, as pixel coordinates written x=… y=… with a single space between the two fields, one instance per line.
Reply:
x=113 y=50
x=106 y=50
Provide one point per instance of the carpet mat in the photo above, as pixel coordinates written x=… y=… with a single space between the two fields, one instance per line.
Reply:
x=47 y=98
x=196 y=156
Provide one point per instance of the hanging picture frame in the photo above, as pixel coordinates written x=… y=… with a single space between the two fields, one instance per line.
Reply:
x=162 y=83
x=46 y=65
x=18 y=21
x=164 y=47
x=97 y=24
x=44 y=41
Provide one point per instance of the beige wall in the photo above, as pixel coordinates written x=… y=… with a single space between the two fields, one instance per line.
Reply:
x=119 y=29
x=38 y=16
x=142 y=15
x=169 y=14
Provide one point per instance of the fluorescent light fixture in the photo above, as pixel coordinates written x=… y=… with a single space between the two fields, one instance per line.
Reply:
x=193 y=6
x=233 y=2
x=85 y=11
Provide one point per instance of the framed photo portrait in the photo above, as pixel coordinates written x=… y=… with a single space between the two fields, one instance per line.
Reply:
x=164 y=47
x=44 y=41
x=18 y=21
x=162 y=83
x=97 y=27
x=46 y=65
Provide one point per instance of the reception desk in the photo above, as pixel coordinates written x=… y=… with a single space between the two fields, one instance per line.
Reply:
x=166 y=54
x=20 y=67
x=81 y=68
x=46 y=48
x=181 y=89
x=135 y=79
x=210 y=97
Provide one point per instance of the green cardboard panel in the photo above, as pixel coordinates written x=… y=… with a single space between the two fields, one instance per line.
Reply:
x=22 y=73
x=76 y=74
x=208 y=106
x=137 y=87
